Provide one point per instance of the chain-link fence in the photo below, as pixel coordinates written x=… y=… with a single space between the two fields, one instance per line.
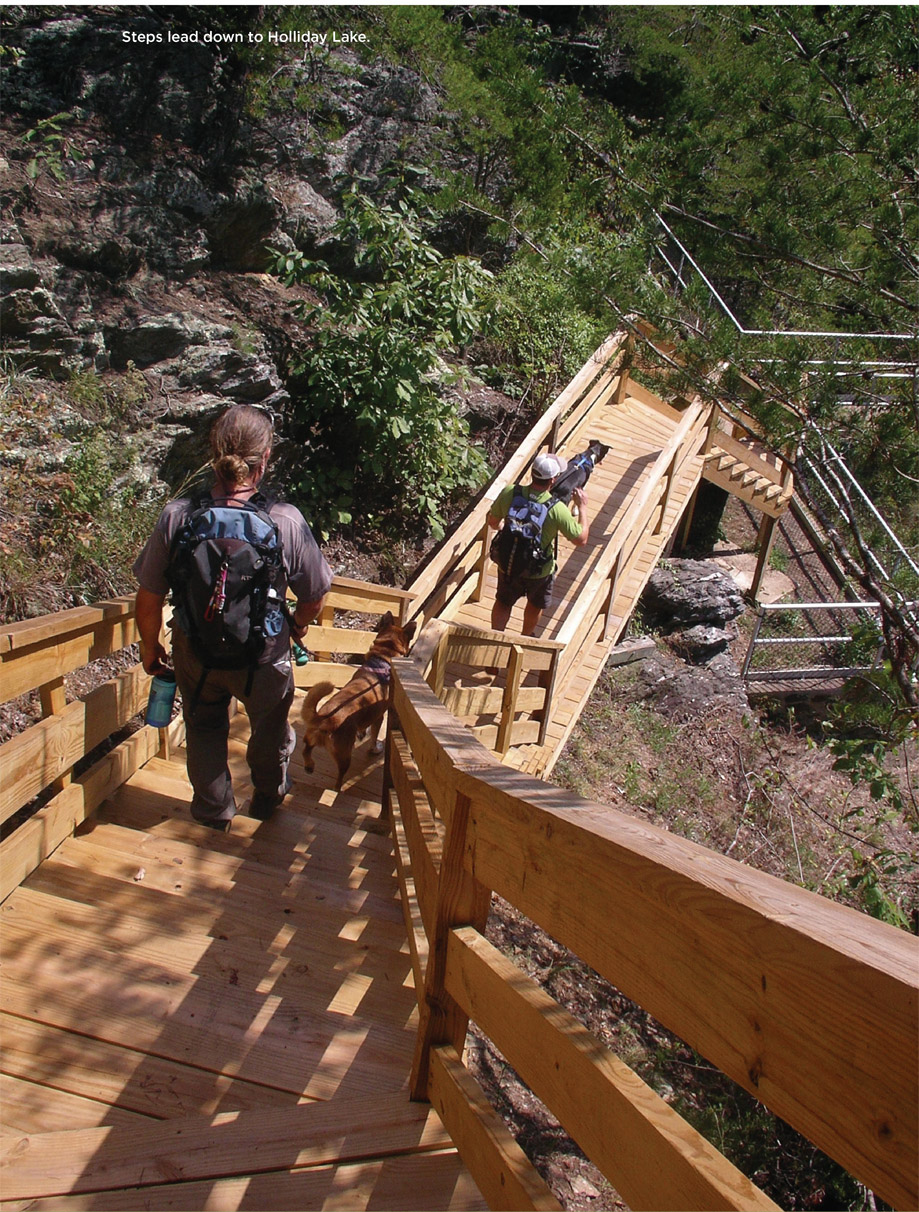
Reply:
x=799 y=645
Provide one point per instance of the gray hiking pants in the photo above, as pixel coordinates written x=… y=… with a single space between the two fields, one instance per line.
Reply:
x=207 y=727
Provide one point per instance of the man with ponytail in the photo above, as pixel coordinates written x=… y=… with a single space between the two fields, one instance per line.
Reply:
x=229 y=557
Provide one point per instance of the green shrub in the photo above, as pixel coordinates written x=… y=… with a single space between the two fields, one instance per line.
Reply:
x=374 y=418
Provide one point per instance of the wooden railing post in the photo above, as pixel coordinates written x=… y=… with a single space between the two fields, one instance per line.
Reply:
x=53 y=701
x=481 y=565
x=765 y=539
x=712 y=427
x=326 y=619
x=435 y=678
x=509 y=700
x=625 y=366
x=613 y=590
x=669 y=477
x=461 y=901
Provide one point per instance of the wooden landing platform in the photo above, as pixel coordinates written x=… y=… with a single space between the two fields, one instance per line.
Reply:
x=197 y=1020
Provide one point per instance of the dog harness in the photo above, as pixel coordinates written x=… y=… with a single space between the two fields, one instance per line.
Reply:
x=380 y=666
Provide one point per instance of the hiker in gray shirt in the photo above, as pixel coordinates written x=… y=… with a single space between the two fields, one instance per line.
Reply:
x=241 y=441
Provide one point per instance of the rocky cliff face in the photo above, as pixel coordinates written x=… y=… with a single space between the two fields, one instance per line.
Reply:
x=141 y=196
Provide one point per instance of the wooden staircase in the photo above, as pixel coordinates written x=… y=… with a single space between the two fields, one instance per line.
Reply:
x=659 y=451
x=197 y=1020
x=738 y=462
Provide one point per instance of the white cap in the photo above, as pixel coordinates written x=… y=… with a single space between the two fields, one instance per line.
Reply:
x=548 y=466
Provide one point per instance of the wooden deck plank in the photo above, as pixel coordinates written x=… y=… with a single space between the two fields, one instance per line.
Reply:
x=220 y=863
x=393 y=1184
x=344 y=977
x=281 y=1042
x=53 y=1059
x=212 y=1147
x=323 y=910
x=27 y=1110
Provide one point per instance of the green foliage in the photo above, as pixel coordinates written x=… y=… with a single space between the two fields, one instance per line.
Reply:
x=50 y=146
x=380 y=431
x=866 y=731
x=538 y=333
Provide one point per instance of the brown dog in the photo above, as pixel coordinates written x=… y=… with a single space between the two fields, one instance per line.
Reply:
x=359 y=705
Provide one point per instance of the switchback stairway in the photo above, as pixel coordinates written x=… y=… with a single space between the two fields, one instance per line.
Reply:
x=276 y=1017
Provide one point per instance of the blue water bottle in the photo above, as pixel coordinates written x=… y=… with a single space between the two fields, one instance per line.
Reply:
x=162 y=697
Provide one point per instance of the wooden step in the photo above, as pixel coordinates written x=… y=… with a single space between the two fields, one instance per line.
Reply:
x=280 y=1140
x=57 y=1110
x=54 y=1060
x=387 y=1184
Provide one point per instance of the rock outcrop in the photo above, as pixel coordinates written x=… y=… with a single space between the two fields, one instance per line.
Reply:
x=138 y=236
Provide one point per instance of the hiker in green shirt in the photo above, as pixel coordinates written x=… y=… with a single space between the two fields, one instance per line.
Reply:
x=534 y=581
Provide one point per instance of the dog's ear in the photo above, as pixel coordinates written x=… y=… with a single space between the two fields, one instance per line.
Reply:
x=385 y=623
x=409 y=630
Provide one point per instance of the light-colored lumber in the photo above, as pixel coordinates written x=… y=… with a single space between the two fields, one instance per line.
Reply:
x=22 y=1112
x=650 y=1154
x=49 y=1058
x=806 y=1003
x=337 y=639
x=397 y=1183
x=209 y=873
x=33 y=759
x=24 y=668
x=244 y=1142
x=474 y=700
x=501 y=1169
x=424 y=836
x=263 y=1037
x=33 y=841
x=30 y=633
x=331 y=970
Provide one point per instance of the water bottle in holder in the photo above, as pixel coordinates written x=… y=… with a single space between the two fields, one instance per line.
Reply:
x=162 y=697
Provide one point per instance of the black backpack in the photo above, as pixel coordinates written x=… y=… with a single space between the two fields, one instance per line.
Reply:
x=227 y=580
x=517 y=548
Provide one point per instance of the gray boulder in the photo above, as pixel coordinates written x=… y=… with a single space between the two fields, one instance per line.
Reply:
x=683 y=593
x=700 y=643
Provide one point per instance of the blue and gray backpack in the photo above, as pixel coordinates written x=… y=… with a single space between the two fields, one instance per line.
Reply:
x=227 y=580
x=517 y=548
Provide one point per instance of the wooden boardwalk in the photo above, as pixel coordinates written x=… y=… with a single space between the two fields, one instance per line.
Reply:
x=193 y=1020
x=636 y=430
x=236 y=1011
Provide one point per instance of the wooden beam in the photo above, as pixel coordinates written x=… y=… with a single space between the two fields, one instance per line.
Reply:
x=25 y=667
x=32 y=760
x=214 y=1146
x=423 y=833
x=509 y=699
x=461 y=900
x=765 y=540
x=649 y=1153
x=809 y=1005
x=501 y=1170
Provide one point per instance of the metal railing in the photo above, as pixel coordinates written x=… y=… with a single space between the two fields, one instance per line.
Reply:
x=813 y=641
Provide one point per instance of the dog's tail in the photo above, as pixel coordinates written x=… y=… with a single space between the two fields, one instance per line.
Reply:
x=313 y=697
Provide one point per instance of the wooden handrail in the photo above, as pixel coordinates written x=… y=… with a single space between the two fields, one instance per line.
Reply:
x=809 y=1005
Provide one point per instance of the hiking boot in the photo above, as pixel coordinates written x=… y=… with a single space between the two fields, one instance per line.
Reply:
x=264 y=803
x=220 y=826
